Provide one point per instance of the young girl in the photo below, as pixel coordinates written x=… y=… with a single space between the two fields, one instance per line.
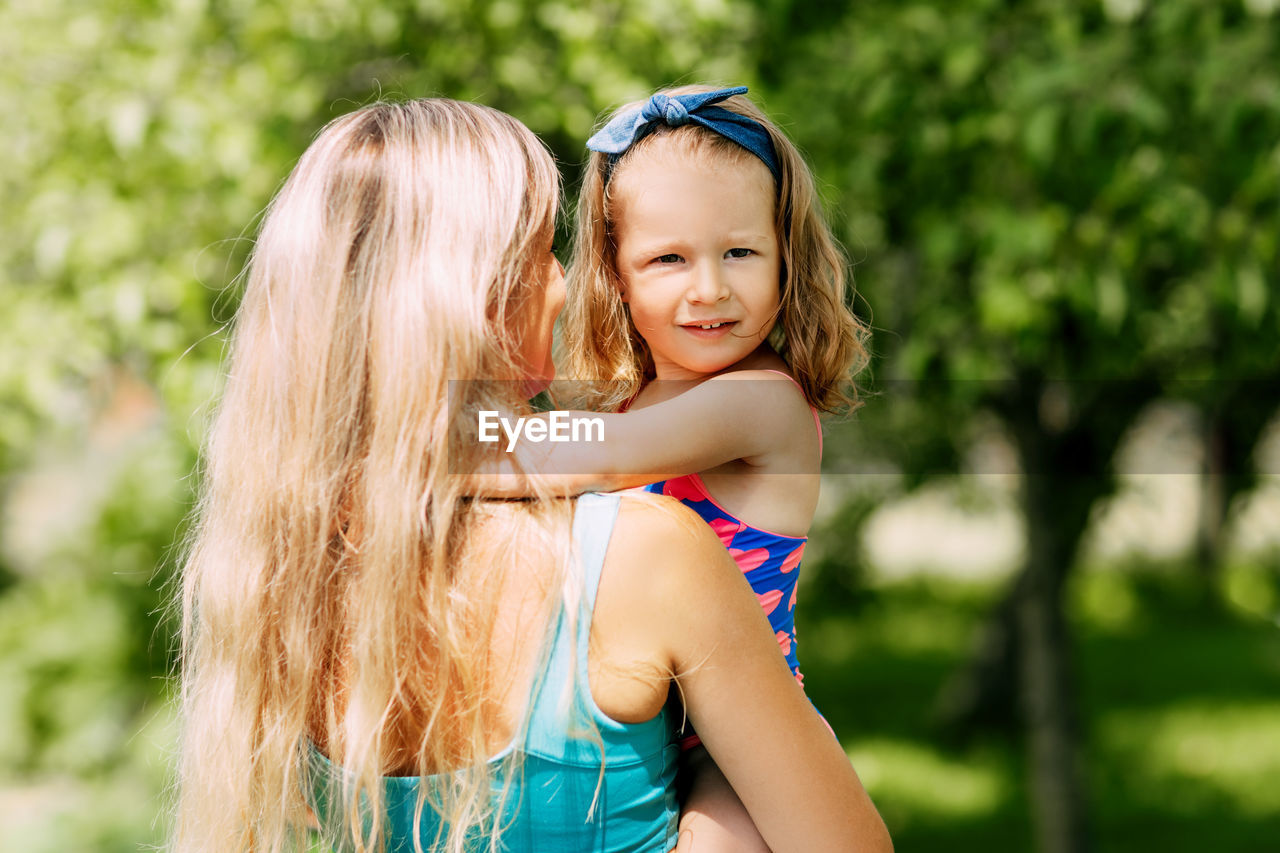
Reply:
x=707 y=300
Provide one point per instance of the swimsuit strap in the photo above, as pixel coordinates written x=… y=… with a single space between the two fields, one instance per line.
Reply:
x=816 y=422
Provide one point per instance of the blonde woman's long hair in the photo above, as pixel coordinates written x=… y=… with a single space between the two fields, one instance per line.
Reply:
x=817 y=334
x=323 y=608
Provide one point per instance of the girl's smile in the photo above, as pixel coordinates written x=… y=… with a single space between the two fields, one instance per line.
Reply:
x=709 y=330
x=698 y=259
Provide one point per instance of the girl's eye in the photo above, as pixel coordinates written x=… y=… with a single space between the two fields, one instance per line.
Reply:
x=739 y=253
x=668 y=259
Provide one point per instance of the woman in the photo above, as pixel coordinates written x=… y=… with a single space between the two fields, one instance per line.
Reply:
x=363 y=641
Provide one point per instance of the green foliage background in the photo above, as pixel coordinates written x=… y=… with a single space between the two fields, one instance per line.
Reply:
x=1086 y=189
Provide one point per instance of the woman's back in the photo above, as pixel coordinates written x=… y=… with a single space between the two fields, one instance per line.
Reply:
x=575 y=778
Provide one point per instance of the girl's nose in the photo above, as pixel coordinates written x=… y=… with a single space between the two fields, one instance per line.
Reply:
x=709 y=284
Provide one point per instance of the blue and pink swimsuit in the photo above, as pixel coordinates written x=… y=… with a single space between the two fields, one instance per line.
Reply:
x=769 y=561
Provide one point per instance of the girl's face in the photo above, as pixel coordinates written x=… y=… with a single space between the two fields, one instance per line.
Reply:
x=698 y=259
x=535 y=341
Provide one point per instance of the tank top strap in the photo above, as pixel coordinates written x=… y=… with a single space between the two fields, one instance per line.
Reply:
x=817 y=422
x=593 y=519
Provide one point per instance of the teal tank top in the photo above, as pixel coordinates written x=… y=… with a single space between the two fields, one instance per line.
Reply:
x=568 y=794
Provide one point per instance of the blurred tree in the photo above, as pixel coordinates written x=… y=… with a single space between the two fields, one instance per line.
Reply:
x=1063 y=209
x=145 y=139
x=152 y=133
x=1227 y=310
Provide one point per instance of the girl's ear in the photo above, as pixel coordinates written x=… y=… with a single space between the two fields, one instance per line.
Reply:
x=623 y=292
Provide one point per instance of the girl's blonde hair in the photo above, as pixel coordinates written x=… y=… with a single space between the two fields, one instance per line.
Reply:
x=325 y=601
x=816 y=333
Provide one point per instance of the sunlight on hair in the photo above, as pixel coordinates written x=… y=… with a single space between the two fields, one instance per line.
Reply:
x=328 y=609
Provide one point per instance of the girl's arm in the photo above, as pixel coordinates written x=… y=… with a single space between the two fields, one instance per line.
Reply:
x=793 y=777
x=739 y=415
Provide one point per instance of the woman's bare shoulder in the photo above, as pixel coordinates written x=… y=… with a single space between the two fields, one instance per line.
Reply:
x=662 y=551
x=660 y=530
x=665 y=563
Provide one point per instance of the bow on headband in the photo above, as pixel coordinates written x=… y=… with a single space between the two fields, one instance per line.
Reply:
x=631 y=126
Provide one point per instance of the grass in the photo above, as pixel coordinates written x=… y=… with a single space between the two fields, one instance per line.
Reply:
x=1180 y=706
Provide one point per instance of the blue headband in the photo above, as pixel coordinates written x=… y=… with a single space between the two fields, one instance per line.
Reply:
x=628 y=128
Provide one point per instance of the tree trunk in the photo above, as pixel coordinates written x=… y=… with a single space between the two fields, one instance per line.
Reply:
x=1044 y=676
x=1214 y=496
x=1065 y=437
x=1234 y=420
x=982 y=694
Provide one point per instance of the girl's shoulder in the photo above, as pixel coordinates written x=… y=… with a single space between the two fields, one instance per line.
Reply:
x=752 y=387
x=764 y=374
x=774 y=385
